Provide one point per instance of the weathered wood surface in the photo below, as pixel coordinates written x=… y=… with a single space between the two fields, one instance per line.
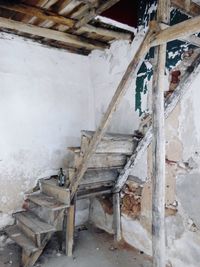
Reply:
x=96 y=175
x=31 y=221
x=177 y=31
x=192 y=39
x=117 y=217
x=40 y=13
x=110 y=143
x=158 y=155
x=192 y=10
x=46 y=201
x=28 y=260
x=158 y=145
x=103 y=161
x=129 y=75
x=50 y=188
x=49 y=16
x=170 y=103
x=92 y=12
x=23 y=241
x=67 y=38
x=70 y=230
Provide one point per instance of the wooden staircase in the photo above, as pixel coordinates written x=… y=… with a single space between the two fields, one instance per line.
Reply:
x=46 y=208
x=105 y=164
x=43 y=217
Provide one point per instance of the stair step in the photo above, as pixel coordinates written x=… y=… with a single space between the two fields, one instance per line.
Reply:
x=111 y=143
x=33 y=222
x=46 y=201
x=103 y=161
x=97 y=175
x=21 y=239
x=50 y=188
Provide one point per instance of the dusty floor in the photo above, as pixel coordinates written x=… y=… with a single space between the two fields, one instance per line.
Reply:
x=94 y=248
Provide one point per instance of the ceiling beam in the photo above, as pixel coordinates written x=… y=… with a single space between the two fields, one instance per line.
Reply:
x=40 y=13
x=69 y=39
x=191 y=9
x=177 y=31
x=93 y=12
x=46 y=15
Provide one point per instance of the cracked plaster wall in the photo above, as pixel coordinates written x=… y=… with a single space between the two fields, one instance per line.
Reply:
x=46 y=100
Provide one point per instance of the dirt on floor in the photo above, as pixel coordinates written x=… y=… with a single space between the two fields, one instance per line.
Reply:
x=93 y=248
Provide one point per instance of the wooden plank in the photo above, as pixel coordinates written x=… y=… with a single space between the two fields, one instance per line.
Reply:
x=109 y=136
x=93 y=12
x=111 y=144
x=16 y=234
x=104 y=32
x=192 y=10
x=46 y=201
x=97 y=176
x=103 y=161
x=67 y=38
x=177 y=31
x=40 y=13
x=50 y=188
x=33 y=222
x=117 y=218
x=170 y=103
x=121 y=90
x=70 y=230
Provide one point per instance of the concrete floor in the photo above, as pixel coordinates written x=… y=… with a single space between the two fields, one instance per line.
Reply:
x=93 y=248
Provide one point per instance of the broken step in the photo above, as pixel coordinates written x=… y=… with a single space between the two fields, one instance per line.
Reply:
x=51 y=188
x=33 y=226
x=111 y=143
x=15 y=233
x=46 y=201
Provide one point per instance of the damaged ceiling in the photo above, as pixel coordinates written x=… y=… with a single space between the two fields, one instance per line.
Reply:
x=67 y=24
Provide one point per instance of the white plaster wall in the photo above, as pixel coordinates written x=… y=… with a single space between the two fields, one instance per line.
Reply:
x=46 y=100
x=107 y=69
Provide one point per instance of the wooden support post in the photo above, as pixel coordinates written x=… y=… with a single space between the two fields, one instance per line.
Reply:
x=70 y=229
x=116 y=217
x=158 y=147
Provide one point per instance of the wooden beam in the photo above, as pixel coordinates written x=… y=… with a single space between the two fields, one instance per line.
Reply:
x=192 y=10
x=104 y=32
x=55 y=18
x=93 y=12
x=40 y=13
x=158 y=145
x=192 y=39
x=70 y=230
x=170 y=103
x=117 y=218
x=177 y=31
x=121 y=90
x=69 y=39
